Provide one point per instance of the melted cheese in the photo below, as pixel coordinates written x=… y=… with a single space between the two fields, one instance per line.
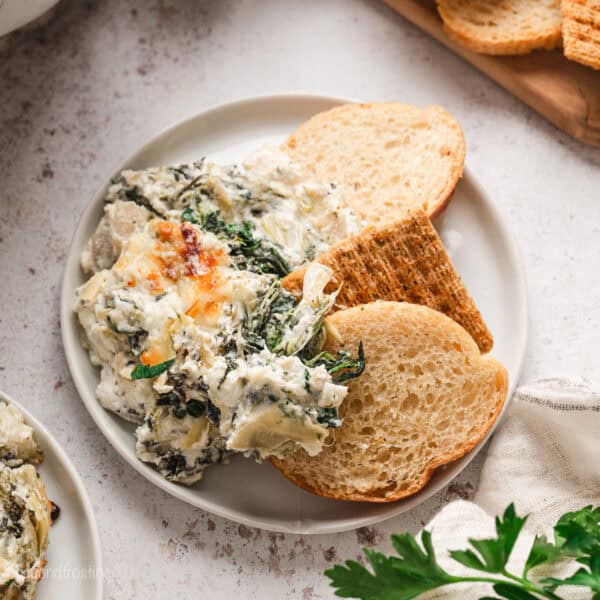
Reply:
x=176 y=292
x=168 y=260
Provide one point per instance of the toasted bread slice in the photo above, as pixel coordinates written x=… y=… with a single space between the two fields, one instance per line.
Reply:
x=404 y=261
x=581 y=31
x=388 y=156
x=502 y=26
x=426 y=398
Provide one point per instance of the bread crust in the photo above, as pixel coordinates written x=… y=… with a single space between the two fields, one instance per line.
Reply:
x=368 y=122
x=426 y=476
x=293 y=467
x=502 y=27
x=405 y=261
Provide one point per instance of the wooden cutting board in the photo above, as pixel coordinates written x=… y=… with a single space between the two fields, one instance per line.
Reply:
x=566 y=93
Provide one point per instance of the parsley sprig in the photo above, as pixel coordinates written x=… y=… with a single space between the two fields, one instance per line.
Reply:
x=415 y=570
x=151 y=371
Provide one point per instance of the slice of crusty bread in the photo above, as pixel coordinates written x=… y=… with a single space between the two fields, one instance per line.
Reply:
x=388 y=156
x=581 y=31
x=426 y=398
x=403 y=261
x=502 y=26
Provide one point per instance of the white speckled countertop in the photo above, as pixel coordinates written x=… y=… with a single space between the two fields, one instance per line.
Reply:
x=81 y=93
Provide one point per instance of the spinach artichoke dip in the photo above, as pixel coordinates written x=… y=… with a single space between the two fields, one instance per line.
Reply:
x=184 y=311
x=24 y=508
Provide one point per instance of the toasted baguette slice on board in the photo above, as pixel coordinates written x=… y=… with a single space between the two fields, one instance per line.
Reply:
x=581 y=31
x=404 y=261
x=502 y=26
x=388 y=156
x=427 y=397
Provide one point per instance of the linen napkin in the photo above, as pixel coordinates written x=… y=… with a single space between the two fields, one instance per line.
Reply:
x=544 y=458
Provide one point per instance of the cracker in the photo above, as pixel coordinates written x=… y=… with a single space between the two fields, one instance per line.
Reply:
x=581 y=31
x=405 y=261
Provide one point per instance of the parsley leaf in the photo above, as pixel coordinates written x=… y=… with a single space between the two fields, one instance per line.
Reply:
x=578 y=532
x=147 y=371
x=512 y=591
x=352 y=580
x=414 y=573
x=542 y=551
x=415 y=570
x=589 y=577
x=493 y=553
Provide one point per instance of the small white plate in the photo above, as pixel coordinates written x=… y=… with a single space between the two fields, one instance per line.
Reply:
x=74 y=569
x=483 y=252
x=18 y=13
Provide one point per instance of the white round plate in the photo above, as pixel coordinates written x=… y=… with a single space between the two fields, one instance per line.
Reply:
x=74 y=569
x=257 y=495
x=17 y=13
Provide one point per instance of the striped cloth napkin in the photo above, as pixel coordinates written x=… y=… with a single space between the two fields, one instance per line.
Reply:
x=545 y=458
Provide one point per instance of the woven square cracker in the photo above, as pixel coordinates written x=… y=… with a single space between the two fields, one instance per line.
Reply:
x=581 y=31
x=404 y=261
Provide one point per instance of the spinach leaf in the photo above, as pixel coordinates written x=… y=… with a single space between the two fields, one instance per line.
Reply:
x=249 y=253
x=341 y=367
x=264 y=324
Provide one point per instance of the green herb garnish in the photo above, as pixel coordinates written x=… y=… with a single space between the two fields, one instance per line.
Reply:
x=147 y=371
x=415 y=570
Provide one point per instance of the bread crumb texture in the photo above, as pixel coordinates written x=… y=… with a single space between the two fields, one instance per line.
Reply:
x=426 y=398
x=388 y=156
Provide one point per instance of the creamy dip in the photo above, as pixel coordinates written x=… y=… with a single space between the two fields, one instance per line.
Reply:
x=184 y=312
x=24 y=508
